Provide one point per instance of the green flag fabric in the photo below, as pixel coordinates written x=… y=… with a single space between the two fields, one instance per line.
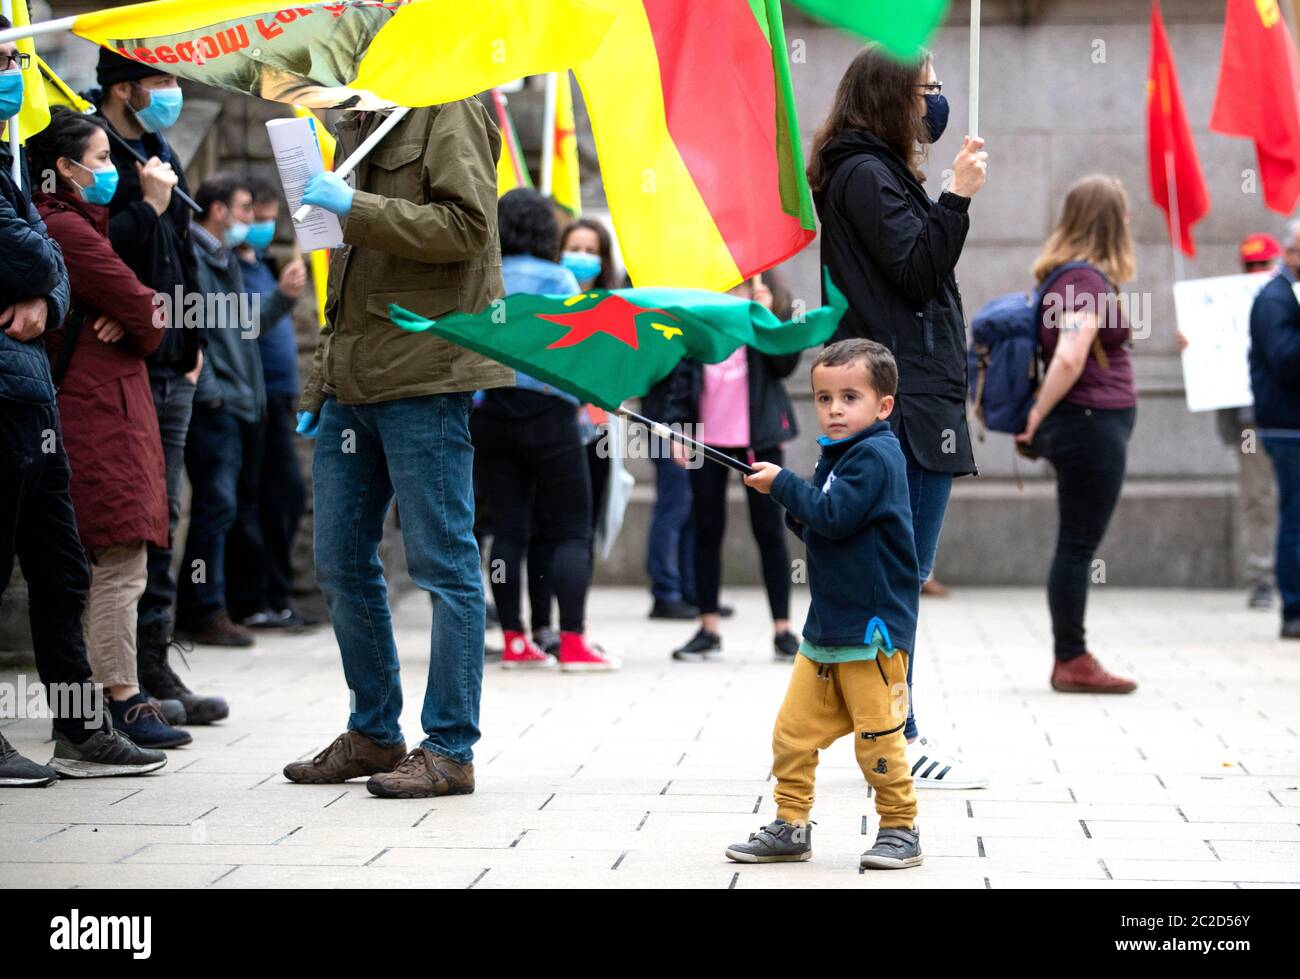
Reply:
x=607 y=346
x=902 y=26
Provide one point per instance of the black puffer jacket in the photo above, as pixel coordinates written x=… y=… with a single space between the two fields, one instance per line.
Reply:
x=31 y=265
x=156 y=247
x=893 y=251
x=771 y=416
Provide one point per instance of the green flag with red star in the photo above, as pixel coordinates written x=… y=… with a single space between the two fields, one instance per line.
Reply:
x=608 y=346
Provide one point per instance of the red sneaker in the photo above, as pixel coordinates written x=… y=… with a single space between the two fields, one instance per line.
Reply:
x=1084 y=674
x=576 y=654
x=522 y=654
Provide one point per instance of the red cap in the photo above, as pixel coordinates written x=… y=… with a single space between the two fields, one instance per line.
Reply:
x=1260 y=248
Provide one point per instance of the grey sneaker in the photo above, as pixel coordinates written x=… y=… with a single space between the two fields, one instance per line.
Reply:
x=894 y=849
x=1260 y=596
x=105 y=753
x=20 y=772
x=778 y=842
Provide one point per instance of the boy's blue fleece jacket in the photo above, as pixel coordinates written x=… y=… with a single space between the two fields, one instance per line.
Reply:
x=856 y=520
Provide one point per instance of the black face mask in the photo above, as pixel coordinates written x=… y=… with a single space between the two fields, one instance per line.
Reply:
x=936 y=116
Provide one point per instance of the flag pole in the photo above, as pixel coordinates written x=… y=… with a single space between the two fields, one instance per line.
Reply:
x=1171 y=178
x=1175 y=216
x=56 y=26
x=60 y=24
x=664 y=432
x=974 y=69
x=15 y=146
x=359 y=154
x=550 y=106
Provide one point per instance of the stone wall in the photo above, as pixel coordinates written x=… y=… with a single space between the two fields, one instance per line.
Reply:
x=1063 y=95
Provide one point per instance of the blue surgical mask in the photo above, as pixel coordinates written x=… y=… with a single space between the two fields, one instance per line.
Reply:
x=104 y=187
x=11 y=93
x=235 y=235
x=583 y=265
x=260 y=234
x=936 y=116
x=163 y=110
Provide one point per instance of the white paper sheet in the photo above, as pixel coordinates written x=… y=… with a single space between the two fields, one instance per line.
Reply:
x=1214 y=315
x=297 y=157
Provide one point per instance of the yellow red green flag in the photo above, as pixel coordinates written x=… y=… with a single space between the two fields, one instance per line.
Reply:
x=690 y=102
x=566 y=180
x=35 y=112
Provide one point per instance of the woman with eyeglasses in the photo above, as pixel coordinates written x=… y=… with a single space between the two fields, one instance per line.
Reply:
x=893 y=250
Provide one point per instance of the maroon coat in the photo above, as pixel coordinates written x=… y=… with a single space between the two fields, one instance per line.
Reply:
x=110 y=428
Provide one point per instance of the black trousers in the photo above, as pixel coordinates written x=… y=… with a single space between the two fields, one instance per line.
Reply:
x=173 y=400
x=1088 y=448
x=766 y=521
x=533 y=466
x=271 y=499
x=38 y=527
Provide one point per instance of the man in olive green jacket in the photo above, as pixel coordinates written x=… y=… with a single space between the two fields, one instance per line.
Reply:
x=390 y=410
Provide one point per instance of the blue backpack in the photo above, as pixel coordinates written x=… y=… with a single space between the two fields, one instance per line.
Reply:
x=1002 y=361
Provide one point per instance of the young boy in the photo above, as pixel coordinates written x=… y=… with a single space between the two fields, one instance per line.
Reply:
x=850 y=676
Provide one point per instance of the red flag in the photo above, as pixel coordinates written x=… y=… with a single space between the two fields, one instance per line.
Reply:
x=1259 y=82
x=1171 y=153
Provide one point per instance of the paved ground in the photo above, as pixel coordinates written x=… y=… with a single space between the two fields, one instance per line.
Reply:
x=640 y=779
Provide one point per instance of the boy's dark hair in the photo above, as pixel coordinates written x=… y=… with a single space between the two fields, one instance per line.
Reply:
x=4 y=23
x=527 y=225
x=876 y=357
x=219 y=188
x=68 y=135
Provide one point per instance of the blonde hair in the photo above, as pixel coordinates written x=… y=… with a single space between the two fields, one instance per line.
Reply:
x=1093 y=227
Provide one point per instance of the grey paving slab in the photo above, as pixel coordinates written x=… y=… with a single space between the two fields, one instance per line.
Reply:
x=640 y=779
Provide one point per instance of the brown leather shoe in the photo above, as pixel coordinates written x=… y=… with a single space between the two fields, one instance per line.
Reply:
x=934 y=588
x=422 y=774
x=350 y=755
x=1084 y=674
x=219 y=630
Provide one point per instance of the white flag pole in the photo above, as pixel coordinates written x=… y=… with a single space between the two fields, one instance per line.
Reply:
x=60 y=24
x=14 y=145
x=56 y=26
x=1171 y=175
x=549 y=108
x=1175 y=217
x=974 y=68
x=360 y=153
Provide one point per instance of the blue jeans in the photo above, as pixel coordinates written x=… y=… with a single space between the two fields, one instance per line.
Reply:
x=213 y=453
x=929 y=492
x=1285 y=453
x=670 y=550
x=418 y=450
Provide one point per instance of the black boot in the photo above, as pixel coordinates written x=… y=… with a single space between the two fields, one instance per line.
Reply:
x=160 y=680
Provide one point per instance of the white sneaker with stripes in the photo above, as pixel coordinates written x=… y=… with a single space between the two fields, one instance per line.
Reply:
x=936 y=769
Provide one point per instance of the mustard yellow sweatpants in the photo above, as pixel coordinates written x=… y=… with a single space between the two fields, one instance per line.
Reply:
x=865 y=698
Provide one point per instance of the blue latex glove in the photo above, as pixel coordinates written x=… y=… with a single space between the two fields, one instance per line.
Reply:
x=308 y=424
x=330 y=191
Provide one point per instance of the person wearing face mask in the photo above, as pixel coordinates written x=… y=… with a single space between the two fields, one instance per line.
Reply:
x=587 y=251
x=119 y=492
x=272 y=495
x=37 y=523
x=229 y=404
x=149 y=229
x=893 y=251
